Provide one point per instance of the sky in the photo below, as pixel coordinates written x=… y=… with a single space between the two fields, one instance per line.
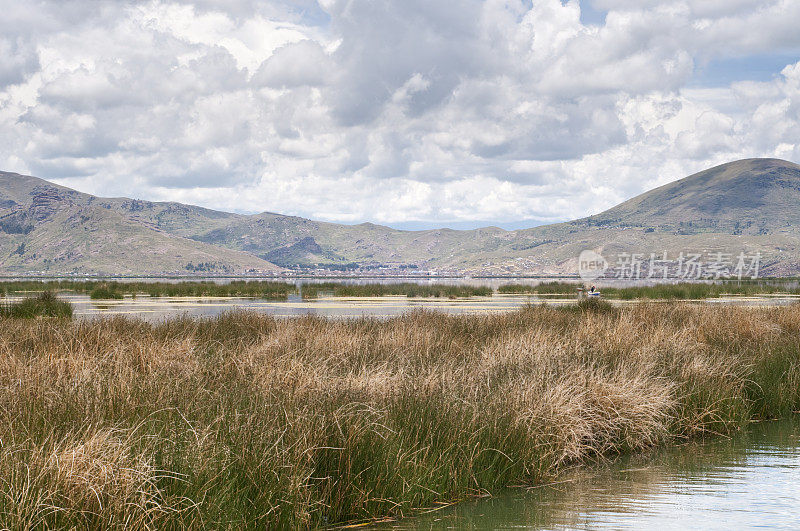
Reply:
x=408 y=113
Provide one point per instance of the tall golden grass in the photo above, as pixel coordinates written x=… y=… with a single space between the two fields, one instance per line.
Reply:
x=251 y=421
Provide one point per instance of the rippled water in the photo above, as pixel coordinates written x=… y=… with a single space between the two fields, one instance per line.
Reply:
x=750 y=481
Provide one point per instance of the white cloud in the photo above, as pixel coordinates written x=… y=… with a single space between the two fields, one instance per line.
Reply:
x=354 y=110
x=297 y=64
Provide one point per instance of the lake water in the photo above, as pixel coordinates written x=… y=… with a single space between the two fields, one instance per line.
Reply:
x=159 y=308
x=746 y=482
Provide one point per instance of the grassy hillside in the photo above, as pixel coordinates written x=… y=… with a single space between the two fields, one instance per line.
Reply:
x=745 y=206
x=749 y=205
x=752 y=196
x=290 y=241
x=175 y=218
x=53 y=229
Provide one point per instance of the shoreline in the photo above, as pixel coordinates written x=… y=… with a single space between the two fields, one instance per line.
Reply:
x=289 y=277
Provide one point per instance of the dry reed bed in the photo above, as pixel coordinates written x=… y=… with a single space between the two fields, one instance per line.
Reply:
x=246 y=420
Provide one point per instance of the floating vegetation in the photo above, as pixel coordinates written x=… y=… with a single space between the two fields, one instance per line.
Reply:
x=545 y=288
x=699 y=290
x=45 y=304
x=104 y=292
x=678 y=291
x=241 y=288
x=409 y=289
x=115 y=289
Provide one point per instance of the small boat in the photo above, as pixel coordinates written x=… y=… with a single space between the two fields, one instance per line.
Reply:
x=584 y=293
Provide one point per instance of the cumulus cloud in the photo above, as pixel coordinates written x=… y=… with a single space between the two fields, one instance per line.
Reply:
x=385 y=111
x=18 y=59
x=298 y=64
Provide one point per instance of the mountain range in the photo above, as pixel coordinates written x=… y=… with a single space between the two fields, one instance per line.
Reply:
x=747 y=206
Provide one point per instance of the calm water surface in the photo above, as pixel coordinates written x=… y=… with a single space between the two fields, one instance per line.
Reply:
x=751 y=481
x=159 y=308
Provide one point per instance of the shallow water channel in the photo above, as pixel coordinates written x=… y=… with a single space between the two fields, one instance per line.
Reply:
x=749 y=481
x=158 y=308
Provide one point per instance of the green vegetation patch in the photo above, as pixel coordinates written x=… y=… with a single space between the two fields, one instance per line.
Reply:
x=105 y=293
x=43 y=305
x=409 y=289
x=690 y=291
x=545 y=288
x=679 y=291
x=116 y=290
x=254 y=288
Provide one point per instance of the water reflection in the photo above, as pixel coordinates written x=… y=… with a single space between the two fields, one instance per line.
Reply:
x=749 y=481
x=159 y=308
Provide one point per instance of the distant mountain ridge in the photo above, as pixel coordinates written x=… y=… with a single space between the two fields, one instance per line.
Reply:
x=746 y=196
x=752 y=205
x=49 y=228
